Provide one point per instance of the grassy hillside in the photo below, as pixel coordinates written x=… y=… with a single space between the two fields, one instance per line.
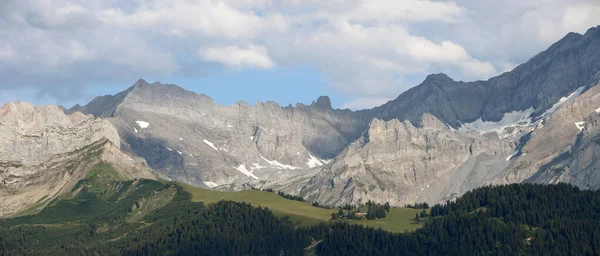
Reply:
x=301 y=213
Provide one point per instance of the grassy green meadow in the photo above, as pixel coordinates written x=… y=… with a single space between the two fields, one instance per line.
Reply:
x=302 y=213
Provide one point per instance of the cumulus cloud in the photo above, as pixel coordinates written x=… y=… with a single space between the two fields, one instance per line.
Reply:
x=236 y=57
x=364 y=48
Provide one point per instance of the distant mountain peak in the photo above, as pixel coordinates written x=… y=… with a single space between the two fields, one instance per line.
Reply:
x=323 y=102
x=439 y=77
x=140 y=82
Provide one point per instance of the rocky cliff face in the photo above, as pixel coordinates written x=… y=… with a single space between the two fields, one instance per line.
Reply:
x=566 y=146
x=190 y=138
x=44 y=152
x=399 y=163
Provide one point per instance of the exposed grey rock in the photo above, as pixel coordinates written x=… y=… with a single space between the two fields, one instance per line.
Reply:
x=192 y=139
x=44 y=153
x=412 y=149
x=399 y=163
x=567 y=147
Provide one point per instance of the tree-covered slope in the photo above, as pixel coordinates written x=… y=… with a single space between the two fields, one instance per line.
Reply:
x=144 y=217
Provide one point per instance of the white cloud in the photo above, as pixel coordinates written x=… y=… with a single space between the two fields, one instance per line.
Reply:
x=236 y=57
x=364 y=48
x=6 y=53
x=186 y=18
x=409 y=10
x=448 y=52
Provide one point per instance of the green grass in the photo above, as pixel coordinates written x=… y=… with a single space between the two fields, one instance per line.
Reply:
x=397 y=220
x=301 y=213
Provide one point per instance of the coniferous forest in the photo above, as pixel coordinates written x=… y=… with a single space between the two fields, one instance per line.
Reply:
x=522 y=219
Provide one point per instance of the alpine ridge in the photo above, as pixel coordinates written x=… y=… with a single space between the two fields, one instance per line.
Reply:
x=432 y=143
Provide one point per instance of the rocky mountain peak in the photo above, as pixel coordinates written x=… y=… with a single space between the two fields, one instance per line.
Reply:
x=439 y=78
x=323 y=102
x=429 y=121
x=141 y=83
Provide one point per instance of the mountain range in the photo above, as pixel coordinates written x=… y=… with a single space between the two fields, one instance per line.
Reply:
x=537 y=123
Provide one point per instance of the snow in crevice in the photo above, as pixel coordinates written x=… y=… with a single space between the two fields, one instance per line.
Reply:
x=251 y=137
x=210 y=144
x=181 y=139
x=279 y=165
x=580 y=125
x=210 y=184
x=242 y=169
x=597 y=110
x=257 y=166
x=142 y=124
x=563 y=100
x=169 y=149
x=192 y=155
x=179 y=152
x=313 y=161
x=513 y=155
x=517 y=119
x=229 y=126
x=135 y=130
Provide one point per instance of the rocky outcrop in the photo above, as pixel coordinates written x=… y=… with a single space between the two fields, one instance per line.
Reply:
x=44 y=153
x=399 y=163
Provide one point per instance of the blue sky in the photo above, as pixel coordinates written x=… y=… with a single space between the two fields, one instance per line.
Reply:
x=361 y=53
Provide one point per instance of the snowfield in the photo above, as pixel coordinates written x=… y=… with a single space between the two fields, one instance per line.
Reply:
x=509 y=119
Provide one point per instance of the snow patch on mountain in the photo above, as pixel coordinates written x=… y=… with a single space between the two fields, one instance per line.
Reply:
x=508 y=120
x=242 y=169
x=210 y=184
x=279 y=165
x=210 y=144
x=580 y=125
x=313 y=161
x=257 y=166
x=563 y=100
x=142 y=124
x=513 y=155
